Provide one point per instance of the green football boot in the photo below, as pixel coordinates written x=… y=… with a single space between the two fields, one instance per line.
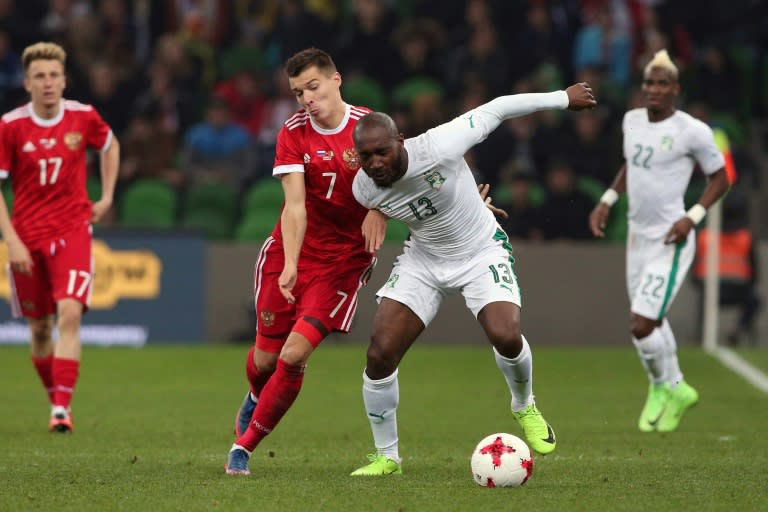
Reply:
x=538 y=433
x=655 y=403
x=681 y=398
x=379 y=465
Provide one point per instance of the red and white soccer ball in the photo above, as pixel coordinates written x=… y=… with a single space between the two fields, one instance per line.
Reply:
x=501 y=460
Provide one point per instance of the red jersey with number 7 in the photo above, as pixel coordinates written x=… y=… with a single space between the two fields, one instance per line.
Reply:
x=45 y=159
x=329 y=163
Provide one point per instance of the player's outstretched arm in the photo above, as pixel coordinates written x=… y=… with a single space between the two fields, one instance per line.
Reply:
x=110 y=164
x=598 y=218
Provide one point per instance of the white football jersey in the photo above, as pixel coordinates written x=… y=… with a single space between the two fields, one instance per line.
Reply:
x=660 y=158
x=437 y=197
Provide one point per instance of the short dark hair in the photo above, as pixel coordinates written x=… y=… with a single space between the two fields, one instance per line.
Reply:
x=308 y=58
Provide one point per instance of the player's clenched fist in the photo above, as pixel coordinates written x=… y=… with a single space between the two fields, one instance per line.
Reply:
x=580 y=96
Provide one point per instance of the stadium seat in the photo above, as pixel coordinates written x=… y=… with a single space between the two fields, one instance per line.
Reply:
x=8 y=195
x=204 y=197
x=149 y=203
x=361 y=90
x=93 y=185
x=266 y=194
x=590 y=186
x=255 y=227
x=617 y=228
x=213 y=224
x=397 y=231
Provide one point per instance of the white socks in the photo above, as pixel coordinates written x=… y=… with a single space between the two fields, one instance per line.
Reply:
x=381 y=398
x=518 y=373
x=674 y=375
x=652 y=352
x=658 y=353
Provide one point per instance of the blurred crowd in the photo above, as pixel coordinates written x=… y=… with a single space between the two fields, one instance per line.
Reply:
x=195 y=91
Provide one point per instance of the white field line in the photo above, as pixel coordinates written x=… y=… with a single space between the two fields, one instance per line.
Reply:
x=738 y=365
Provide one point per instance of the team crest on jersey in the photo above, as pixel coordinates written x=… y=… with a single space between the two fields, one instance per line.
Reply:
x=350 y=158
x=47 y=143
x=325 y=155
x=434 y=178
x=666 y=142
x=73 y=140
x=267 y=318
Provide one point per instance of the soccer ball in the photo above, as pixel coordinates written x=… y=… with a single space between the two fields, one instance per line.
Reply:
x=501 y=460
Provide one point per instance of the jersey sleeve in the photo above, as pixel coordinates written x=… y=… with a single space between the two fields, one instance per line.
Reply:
x=99 y=133
x=624 y=123
x=6 y=150
x=453 y=139
x=359 y=188
x=288 y=155
x=704 y=149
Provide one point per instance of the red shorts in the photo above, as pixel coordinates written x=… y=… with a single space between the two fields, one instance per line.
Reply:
x=326 y=293
x=61 y=269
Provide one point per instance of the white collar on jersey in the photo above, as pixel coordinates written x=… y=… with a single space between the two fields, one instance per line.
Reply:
x=333 y=131
x=46 y=123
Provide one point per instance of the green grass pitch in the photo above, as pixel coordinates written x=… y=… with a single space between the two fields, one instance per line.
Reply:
x=153 y=426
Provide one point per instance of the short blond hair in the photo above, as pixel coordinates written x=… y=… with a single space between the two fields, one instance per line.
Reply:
x=661 y=60
x=43 y=51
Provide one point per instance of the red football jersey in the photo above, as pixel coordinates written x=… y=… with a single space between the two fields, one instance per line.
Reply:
x=329 y=163
x=45 y=159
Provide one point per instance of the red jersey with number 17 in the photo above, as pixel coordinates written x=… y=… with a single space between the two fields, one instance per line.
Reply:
x=329 y=163
x=45 y=159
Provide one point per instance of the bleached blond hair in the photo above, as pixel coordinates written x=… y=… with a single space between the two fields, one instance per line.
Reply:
x=661 y=60
x=43 y=51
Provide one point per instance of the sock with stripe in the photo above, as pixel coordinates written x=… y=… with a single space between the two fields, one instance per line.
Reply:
x=44 y=367
x=275 y=399
x=65 y=373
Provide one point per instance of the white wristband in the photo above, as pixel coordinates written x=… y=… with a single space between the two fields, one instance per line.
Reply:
x=696 y=213
x=609 y=197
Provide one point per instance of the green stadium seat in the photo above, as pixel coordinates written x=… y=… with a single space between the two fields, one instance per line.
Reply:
x=363 y=91
x=590 y=186
x=215 y=197
x=266 y=194
x=93 y=186
x=214 y=225
x=618 y=227
x=149 y=203
x=8 y=195
x=255 y=227
x=397 y=231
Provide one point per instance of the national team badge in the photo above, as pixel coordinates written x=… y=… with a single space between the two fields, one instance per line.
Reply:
x=350 y=158
x=267 y=318
x=434 y=178
x=73 y=140
x=666 y=142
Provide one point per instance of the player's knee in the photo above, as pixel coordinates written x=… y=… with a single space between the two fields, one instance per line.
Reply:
x=265 y=362
x=382 y=360
x=641 y=327
x=40 y=330
x=69 y=318
x=505 y=335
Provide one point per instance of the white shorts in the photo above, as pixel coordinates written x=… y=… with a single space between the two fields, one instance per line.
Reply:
x=655 y=273
x=420 y=281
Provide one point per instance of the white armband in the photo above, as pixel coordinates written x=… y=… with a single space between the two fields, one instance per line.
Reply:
x=696 y=213
x=609 y=197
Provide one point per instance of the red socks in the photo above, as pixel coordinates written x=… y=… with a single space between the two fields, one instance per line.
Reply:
x=255 y=378
x=44 y=367
x=65 y=372
x=275 y=399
